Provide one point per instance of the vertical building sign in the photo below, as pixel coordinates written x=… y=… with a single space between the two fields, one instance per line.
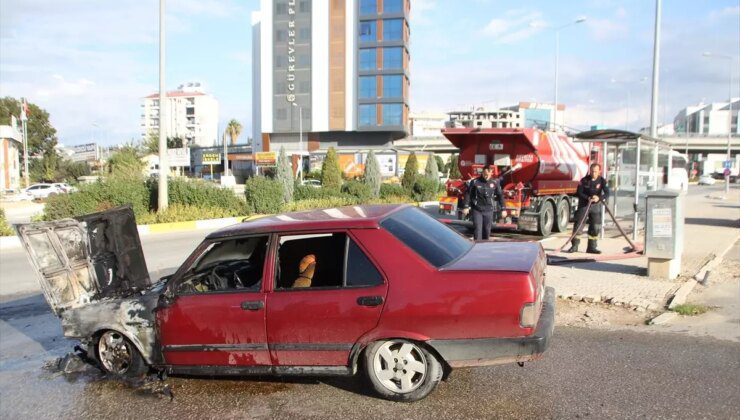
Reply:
x=291 y=52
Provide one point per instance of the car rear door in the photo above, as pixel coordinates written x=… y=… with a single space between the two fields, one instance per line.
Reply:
x=318 y=325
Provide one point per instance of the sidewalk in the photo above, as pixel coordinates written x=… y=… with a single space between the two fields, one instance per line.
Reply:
x=711 y=226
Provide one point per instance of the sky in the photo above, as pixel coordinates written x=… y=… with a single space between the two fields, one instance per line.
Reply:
x=90 y=62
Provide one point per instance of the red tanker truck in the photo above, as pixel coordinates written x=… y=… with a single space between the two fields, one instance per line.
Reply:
x=540 y=173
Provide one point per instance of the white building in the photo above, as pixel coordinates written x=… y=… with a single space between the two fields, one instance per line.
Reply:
x=426 y=135
x=708 y=119
x=482 y=118
x=192 y=115
x=10 y=149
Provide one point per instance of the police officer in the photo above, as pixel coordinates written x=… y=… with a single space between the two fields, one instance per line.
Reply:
x=592 y=188
x=485 y=197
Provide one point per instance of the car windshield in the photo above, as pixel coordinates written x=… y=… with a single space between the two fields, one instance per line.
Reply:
x=433 y=241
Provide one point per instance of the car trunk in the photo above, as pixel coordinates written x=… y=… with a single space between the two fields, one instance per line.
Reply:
x=86 y=259
x=524 y=257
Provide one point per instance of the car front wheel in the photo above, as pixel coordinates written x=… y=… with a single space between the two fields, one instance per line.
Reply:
x=401 y=370
x=119 y=356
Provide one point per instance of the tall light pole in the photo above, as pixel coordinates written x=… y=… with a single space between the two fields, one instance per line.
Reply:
x=557 y=64
x=729 y=59
x=300 y=141
x=164 y=168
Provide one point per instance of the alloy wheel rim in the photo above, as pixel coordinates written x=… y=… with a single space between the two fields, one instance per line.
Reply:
x=114 y=352
x=400 y=366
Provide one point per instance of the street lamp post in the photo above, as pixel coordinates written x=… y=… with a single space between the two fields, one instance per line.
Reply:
x=163 y=166
x=557 y=65
x=730 y=59
x=300 y=141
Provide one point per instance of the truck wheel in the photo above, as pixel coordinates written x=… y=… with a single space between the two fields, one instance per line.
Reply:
x=546 y=220
x=401 y=370
x=562 y=216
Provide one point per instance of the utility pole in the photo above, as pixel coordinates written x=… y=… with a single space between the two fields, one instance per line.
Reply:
x=24 y=119
x=164 y=168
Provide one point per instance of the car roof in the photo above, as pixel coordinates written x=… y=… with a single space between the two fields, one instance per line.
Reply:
x=350 y=217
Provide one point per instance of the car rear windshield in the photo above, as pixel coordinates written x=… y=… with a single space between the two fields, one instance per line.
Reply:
x=429 y=238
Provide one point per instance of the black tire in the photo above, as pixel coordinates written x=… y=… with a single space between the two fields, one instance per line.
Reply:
x=546 y=219
x=562 y=216
x=422 y=383
x=133 y=365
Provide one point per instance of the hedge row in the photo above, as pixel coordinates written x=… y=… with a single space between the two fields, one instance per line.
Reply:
x=5 y=229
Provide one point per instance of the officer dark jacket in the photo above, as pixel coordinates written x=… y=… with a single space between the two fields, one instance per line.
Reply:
x=589 y=187
x=484 y=195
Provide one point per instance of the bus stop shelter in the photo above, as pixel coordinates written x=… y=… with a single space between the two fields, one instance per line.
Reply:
x=632 y=162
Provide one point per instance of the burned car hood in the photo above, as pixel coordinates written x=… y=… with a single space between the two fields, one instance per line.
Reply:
x=86 y=259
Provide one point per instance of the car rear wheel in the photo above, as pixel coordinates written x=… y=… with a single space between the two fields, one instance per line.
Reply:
x=547 y=219
x=401 y=370
x=562 y=216
x=117 y=355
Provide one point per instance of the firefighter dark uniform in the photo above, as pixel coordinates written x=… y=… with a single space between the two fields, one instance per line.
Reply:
x=485 y=198
x=587 y=188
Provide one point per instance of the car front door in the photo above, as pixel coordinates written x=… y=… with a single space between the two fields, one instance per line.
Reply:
x=316 y=314
x=215 y=315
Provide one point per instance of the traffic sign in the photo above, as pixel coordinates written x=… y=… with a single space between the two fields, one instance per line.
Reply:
x=727 y=172
x=728 y=164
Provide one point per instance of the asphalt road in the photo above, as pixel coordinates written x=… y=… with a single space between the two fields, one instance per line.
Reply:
x=586 y=373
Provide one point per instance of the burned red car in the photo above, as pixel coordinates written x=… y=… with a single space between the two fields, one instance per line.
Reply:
x=386 y=290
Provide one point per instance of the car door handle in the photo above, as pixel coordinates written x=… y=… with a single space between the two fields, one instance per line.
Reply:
x=370 y=300
x=253 y=305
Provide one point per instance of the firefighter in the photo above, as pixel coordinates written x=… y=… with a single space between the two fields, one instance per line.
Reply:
x=594 y=189
x=484 y=195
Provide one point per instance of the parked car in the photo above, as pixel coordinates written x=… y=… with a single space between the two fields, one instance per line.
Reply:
x=38 y=191
x=706 y=180
x=64 y=187
x=316 y=183
x=385 y=289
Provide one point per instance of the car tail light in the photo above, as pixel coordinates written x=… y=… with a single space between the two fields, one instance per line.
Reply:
x=530 y=312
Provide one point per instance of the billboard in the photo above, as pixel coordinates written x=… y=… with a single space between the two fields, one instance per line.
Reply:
x=85 y=152
x=211 y=158
x=421 y=159
x=265 y=158
x=387 y=164
x=350 y=167
x=178 y=157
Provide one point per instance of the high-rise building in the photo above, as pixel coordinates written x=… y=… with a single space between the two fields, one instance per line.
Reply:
x=341 y=65
x=192 y=115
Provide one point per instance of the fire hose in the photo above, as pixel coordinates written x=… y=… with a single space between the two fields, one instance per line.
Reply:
x=580 y=222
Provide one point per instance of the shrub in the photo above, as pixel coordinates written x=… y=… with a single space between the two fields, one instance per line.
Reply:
x=390 y=190
x=99 y=196
x=304 y=192
x=372 y=174
x=454 y=169
x=5 y=229
x=263 y=195
x=285 y=175
x=184 y=213
x=425 y=189
x=126 y=163
x=431 y=171
x=321 y=203
x=197 y=193
x=441 y=165
x=357 y=189
x=313 y=175
x=390 y=199
x=331 y=175
x=410 y=172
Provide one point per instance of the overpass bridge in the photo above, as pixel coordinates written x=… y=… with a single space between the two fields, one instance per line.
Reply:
x=703 y=144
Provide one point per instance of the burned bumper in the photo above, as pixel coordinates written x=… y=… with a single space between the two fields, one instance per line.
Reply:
x=494 y=351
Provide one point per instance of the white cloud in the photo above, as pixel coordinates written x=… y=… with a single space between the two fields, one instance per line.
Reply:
x=607 y=29
x=725 y=13
x=516 y=25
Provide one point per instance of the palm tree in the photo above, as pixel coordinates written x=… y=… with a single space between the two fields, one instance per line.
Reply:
x=233 y=129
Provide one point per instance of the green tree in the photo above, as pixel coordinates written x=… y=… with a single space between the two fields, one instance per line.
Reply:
x=125 y=163
x=454 y=168
x=233 y=130
x=373 y=177
x=69 y=171
x=410 y=172
x=150 y=145
x=431 y=171
x=174 y=142
x=331 y=175
x=441 y=165
x=44 y=169
x=42 y=136
x=285 y=175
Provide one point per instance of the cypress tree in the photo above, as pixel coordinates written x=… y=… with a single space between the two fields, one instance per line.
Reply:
x=410 y=172
x=331 y=175
x=372 y=173
x=285 y=175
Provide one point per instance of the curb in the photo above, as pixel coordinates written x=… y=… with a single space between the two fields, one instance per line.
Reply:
x=703 y=272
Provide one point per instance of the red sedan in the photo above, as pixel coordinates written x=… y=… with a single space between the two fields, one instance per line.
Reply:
x=383 y=289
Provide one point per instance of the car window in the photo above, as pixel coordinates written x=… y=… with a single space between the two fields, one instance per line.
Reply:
x=229 y=265
x=430 y=239
x=360 y=270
